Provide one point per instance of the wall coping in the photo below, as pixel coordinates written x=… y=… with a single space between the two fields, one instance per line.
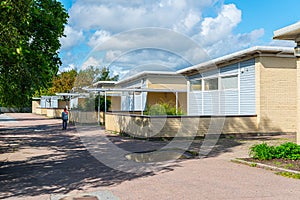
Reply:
x=180 y=116
x=50 y=108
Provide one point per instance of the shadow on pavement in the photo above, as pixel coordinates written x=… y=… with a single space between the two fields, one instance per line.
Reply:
x=70 y=166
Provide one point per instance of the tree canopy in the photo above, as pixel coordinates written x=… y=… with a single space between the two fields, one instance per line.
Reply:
x=75 y=81
x=29 y=38
x=93 y=74
x=63 y=82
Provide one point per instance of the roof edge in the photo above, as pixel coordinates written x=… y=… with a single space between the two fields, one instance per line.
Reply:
x=145 y=73
x=280 y=33
x=242 y=53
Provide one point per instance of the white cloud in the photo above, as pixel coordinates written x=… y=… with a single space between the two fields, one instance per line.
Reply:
x=214 y=29
x=108 y=23
x=91 y=61
x=99 y=37
x=187 y=24
x=149 y=60
x=110 y=55
x=118 y=16
x=232 y=43
x=152 y=38
x=73 y=38
x=191 y=20
x=68 y=68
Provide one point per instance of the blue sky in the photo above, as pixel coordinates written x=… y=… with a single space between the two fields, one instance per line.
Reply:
x=115 y=33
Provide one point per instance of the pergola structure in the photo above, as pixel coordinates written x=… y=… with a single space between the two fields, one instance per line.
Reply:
x=292 y=32
x=69 y=96
x=116 y=91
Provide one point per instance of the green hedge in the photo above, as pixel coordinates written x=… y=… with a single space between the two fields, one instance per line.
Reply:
x=288 y=150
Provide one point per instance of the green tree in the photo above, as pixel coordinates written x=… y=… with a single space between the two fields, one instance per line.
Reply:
x=86 y=77
x=63 y=82
x=93 y=74
x=106 y=76
x=89 y=76
x=29 y=38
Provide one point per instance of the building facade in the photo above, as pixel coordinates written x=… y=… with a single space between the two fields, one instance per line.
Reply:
x=257 y=82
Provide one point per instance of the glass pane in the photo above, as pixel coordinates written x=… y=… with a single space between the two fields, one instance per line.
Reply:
x=229 y=82
x=211 y=84
x=196 y=85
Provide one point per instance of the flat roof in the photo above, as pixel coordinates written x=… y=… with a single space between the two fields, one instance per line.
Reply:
x=291 y=32
x=237 y=56
x=105 y=83
x=131 y=90
x=72 y=94
x=145 y=73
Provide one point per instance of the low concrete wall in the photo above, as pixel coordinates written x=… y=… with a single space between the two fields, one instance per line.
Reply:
x=74 y=115
x=49 y=112
x=85 y=117
x=54 y=112
x=179 y=126
x=34 y=105
x=41 y=111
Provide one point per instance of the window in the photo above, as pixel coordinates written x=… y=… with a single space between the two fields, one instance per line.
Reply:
x=229 y=82
x=195 y=85
x=211 y=84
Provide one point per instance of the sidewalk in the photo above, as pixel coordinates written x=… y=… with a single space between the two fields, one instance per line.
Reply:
x=40 y=161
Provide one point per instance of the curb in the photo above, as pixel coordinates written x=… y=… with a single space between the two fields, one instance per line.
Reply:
x=103 y=194
x=264 y=166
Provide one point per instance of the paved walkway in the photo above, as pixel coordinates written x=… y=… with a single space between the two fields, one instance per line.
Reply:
x=40 y=161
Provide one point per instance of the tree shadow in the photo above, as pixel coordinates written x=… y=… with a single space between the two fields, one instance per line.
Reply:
x=70 y=167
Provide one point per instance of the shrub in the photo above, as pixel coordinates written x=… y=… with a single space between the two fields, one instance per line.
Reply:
x=286 y=150
x=262 y=151
x=163 y=108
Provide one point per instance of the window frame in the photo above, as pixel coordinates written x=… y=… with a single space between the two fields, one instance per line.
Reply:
x=190 y=85
x=229 y=75
x=211 y=78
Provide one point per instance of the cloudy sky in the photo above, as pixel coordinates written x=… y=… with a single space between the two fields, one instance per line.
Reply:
x=135 y=35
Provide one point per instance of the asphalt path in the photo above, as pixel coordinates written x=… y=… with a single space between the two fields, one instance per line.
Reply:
x=40 y=161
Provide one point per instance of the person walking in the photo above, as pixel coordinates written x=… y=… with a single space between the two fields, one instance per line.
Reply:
x=64 y=117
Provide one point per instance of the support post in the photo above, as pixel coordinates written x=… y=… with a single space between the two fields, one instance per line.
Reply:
x=176 y=103
x=133 y=102
x=142 y=109
x=99 y=117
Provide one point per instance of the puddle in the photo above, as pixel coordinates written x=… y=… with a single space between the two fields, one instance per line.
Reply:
x=159 y=155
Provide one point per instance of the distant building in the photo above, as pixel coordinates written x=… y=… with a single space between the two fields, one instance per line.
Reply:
x=151 y=87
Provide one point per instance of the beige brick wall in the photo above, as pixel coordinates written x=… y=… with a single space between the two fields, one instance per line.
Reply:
x=178 y=126
x=276 y=94
x=115 y=103
x=175 y=83
x=182 y=100
x=298 y=101
x=34 y=106
x=85 y=117
x=54 y=112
